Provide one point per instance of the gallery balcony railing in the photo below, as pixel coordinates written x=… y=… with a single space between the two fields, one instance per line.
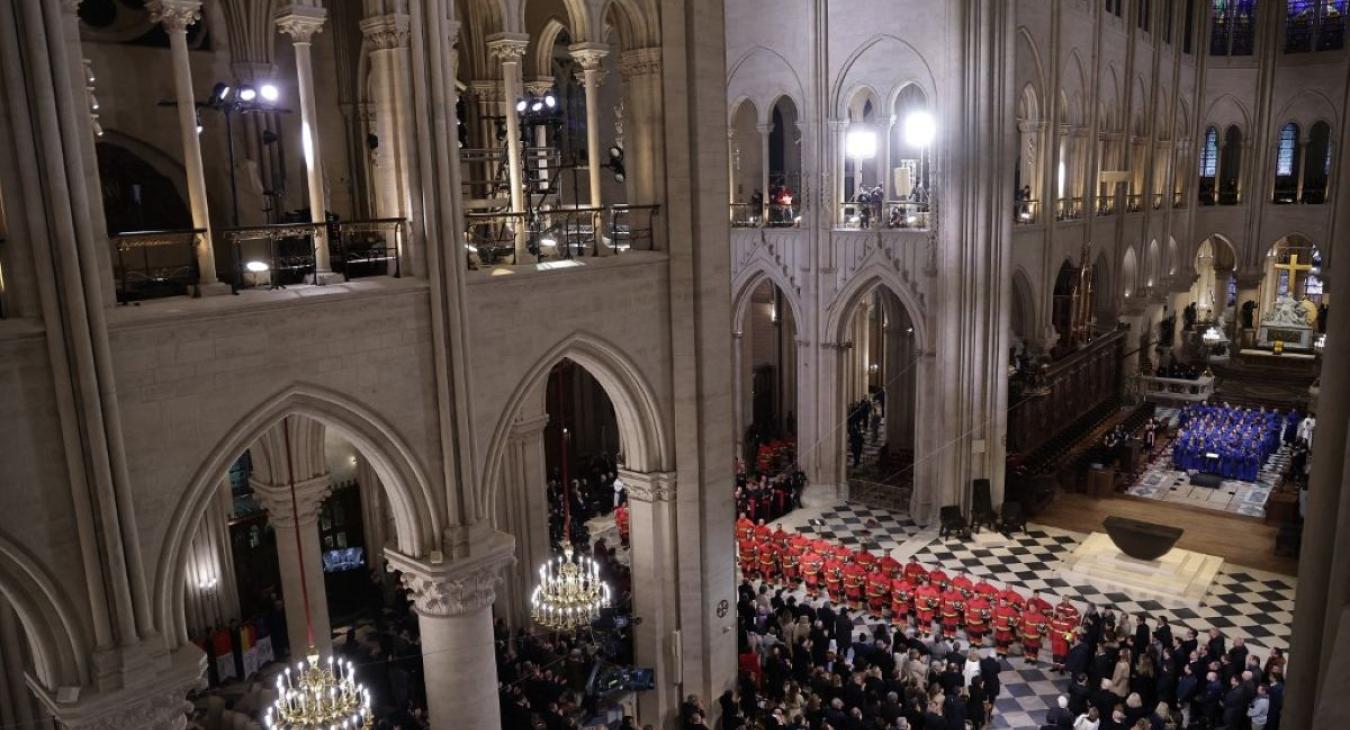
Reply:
x=154 y=264
x=1106 y=204
x=1068 y=209
x=559 y=233
x=780 y=215
x=745 y=215
x=369 y=247
x=1158 y=200
x=1178 y=199
x=1134 y=203
x=1026 y=212
x=890 y=215
x=272 y=256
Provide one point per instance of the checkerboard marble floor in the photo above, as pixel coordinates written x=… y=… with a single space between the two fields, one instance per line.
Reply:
x=1161 y=481
x=1253 y=604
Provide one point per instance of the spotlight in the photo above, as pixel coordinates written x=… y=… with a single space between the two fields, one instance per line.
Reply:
x=219 y=93
x=256 y=267
x=920 y=129
x=247 y=93
x=548 y=243
x=550 y=101
x=536 y=106
x=269 y=92
x=861 y=144
x=520 y=106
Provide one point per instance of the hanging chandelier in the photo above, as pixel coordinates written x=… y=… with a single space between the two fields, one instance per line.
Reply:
x=316 y=697
x=570 y=593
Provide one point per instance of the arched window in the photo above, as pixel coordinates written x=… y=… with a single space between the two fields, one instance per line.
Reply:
x=1286 y=165
x=1209 y=165
x=1232 y=28
x=1141 y=14
x=1314 y=25
x=1230 y=166
x=1317 y=169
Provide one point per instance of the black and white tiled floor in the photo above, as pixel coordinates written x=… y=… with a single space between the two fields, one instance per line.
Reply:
x=1253 y=604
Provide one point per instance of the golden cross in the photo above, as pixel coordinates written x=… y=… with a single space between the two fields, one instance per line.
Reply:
x=1293 y=267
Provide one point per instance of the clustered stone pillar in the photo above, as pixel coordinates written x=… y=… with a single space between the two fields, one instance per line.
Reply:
x=176 y=16
x=651 y=500
x=453 y=602
x=644 y=124
x=522 y=510
x=270 y=482
x=590 y=57
x=212 y=591
x=508 y=49
x=765 y=131
x=301 y=22
x=387 y=38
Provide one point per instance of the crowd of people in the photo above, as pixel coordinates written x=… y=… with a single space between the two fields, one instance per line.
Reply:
x=806 y=666
x=1233 y=442
x=595 y=490
x=773 y=486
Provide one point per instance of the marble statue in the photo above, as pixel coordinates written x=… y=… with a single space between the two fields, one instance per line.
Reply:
x=1285 y=313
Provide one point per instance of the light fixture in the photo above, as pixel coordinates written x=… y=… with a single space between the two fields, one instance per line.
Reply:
x=920 y=129
x=247 y=93
x=548 y=243
x=219 y=93
x=521 y=105
x=256 y=267
x=317 y=696
x=1211 y=337
x=861 y=144
x=550 y=100
x=269 y=92
x=570 y=593
x=536 y=105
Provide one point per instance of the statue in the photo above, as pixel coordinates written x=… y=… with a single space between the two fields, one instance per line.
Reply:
x=1248 y=314
x=1189 y=315
x=1285 y=313
x=1309 y=311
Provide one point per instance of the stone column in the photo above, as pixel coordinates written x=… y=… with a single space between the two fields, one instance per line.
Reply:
x=270 y=482
x=887 y=171
x=737 y=386
x=522 y=511
x=453 y=602
x=764 y=131
x=374 y=512
x=301 y=22
x=390 y=85
x=840 y=127
x=176 y=16
x=287 y=518
x=651 y=499
x=589 y=57
x=644 y=128
x=212 y=592
x=508 y=49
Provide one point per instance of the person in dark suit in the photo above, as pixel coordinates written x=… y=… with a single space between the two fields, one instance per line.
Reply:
x=1103 y=698
x=1216 y=644
x=1080 y=695
x=1060 y=716
x=989 y=669
x=1078 y=659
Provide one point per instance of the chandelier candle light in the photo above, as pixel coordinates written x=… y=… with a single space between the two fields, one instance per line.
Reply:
x=570 y=593
x=316 y=697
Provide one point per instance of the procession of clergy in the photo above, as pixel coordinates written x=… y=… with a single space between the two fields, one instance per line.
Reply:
x=1234 y=442
x=911 y=592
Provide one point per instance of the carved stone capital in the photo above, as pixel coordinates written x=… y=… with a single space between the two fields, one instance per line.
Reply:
x=174 y=15
x=487 y=91
x=300 y=22
x=276 y=499
x=507 y=47
x=649 y=487
x=589 y=56
x=385 y=32
x=526 y=429
x=764 y=129
x=166 y=710
x=71 y=7
x=540 y=86
x=639 y=62
x=442 y=590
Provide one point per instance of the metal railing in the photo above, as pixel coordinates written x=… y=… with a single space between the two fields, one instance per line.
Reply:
x=892 y=214
x=1068 y=209
x=1134 y=203
x=1026 y=212
x=1106 y=204
x=780 y=215
x=1158 y=200
x=273 y=255
x=153 y=264
x=745 y=215
x=369 y=247
x=559 y=233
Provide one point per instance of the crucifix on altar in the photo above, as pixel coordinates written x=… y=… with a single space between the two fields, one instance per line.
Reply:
x=1292 y=268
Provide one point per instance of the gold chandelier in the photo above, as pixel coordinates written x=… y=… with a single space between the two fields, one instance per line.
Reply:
x=316 y=697
x=570 y=593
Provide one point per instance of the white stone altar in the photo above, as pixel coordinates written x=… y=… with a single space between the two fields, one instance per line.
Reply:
x=1287 y=322
x=1181 y=578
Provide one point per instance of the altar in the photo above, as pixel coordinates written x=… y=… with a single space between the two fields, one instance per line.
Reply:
x=1171 y=576
x=1289 y=323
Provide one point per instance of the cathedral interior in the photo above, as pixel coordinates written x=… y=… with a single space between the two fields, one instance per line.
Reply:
x=540 y=363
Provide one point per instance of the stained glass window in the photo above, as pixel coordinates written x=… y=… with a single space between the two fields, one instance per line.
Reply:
x=1209 y=154
x=1284 y=158
x=1232 y=27
x=1314 y=25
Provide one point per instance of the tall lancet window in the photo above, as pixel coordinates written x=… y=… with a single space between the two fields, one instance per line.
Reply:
x=1231 y=29
x=1209 y=165
x=1286 y=165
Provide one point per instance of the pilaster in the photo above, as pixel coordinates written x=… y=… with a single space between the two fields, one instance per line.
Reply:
x=655 y=548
